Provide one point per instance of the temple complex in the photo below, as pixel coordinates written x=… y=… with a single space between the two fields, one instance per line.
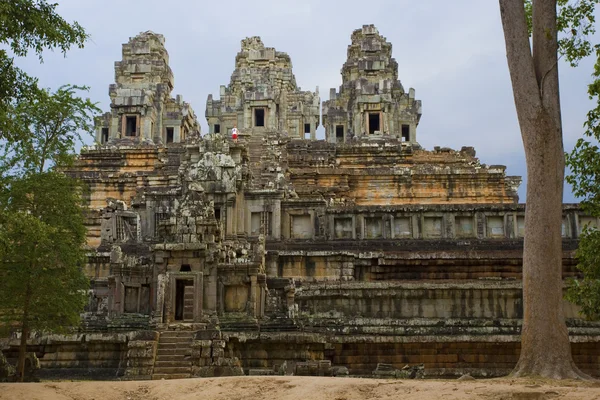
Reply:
x=277 y=253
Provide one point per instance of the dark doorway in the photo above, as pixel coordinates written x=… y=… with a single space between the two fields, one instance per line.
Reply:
x=405 y=133
x=180 y=303
x=104 y=135
x=259 y=117
x=339 y=133
x=217 y=128
x=170 y=135
x=131 y=126
x=373 y=123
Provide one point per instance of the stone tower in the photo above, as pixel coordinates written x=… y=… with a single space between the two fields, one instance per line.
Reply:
x=371 y=101
x=262 y=96
x=141 y=107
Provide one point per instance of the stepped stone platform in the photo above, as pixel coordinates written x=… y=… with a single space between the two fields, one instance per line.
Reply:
x=210 y=256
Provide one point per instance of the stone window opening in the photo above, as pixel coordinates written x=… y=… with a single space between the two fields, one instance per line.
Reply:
x=495 y=226
x=306 y=128
x=301 y=226
x=217 y=128
x=126 y=228
x=402 y=227
x=520 y=226
x=343 y=228
x=131 y=125
x=157 y=218
x=170 y=135
x=104 y=135
x=339 y=133
x=260 y=223
x=185 y=268
x=405 y=133
x=432 y=227
x=259 y=117
x=136 y=299
x=373 y=228
x=463 y=226
x=374 y=126
x=217 y=213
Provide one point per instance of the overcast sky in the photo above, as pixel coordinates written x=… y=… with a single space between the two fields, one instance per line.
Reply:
x=451 y=52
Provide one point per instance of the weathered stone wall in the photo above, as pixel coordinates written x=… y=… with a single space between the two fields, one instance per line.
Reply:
x=141 y=354
x=446 y=349
x=82 y=356
x=212 y=357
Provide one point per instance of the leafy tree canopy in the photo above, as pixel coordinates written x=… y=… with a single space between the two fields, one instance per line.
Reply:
x=42 y=286
x=53 y=123
x=28 y=25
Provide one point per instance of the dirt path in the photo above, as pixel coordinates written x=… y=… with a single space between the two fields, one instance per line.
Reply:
x=301 y=388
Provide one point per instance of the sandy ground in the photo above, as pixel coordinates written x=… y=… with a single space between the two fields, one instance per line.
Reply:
x=302 y=388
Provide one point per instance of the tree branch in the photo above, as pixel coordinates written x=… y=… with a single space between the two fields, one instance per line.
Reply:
x=520 y=61
x=545 y=48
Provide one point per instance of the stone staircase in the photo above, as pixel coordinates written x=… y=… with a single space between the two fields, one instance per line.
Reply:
x=173 y=355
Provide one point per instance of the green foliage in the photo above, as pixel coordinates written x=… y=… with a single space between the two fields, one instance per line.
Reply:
x=42 y=284
x=53 y=123
x=586 y=292
x=576 y=21
x=575 y=25
x=28 y=25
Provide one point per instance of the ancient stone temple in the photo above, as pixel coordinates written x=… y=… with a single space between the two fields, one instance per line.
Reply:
x=371 y=100
x=263 y=96
x=141 y=106
x=278 y=253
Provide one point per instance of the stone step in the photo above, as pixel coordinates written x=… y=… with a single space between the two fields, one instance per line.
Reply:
x=177 y=333
x=172 y=357
x=172 y=346
x=172 y=364
x=157 y=377
x=174 y=352
x=174 y=339
x=172 y=370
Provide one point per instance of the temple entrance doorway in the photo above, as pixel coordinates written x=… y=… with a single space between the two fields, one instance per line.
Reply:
x=184 y=300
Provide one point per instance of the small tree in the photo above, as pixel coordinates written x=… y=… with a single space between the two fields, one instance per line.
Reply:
x=42 y=284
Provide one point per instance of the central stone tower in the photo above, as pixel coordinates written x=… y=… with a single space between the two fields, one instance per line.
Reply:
x=262 y=96
x=371 y=101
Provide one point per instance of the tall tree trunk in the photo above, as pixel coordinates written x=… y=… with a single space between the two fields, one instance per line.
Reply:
x=545 y=347
x=24 y=335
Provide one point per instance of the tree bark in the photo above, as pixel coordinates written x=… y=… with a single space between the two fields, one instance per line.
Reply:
x=24 y=335
x=545 y=346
